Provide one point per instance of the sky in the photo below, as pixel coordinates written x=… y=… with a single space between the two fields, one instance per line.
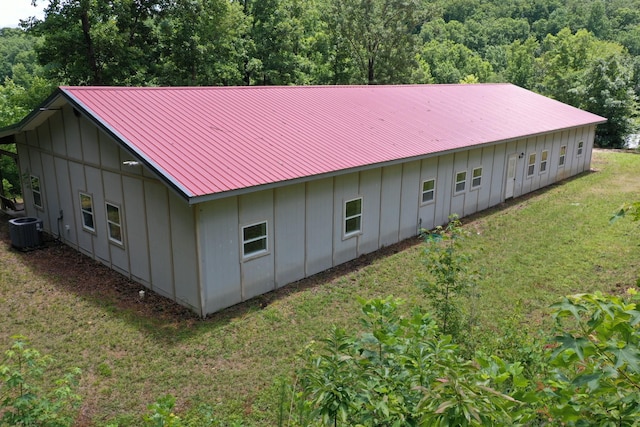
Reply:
x=12 y=11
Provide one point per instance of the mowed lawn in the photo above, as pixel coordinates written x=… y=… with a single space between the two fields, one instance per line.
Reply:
x=531 y=250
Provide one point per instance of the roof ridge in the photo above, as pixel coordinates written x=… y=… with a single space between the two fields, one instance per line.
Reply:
x=285 y=87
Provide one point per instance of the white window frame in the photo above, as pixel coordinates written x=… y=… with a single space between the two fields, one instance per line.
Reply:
x=563 y=156
x=429 y=193
x=264 y=249
x=531 y=165
x=37 y=201
x=476 y=181
x=544 y=161
x=460 y=184
x=84 y=213
x=348 y=218
x=111 y=223
x=580 y=148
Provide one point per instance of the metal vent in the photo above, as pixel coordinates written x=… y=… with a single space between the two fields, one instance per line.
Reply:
x=25 y=232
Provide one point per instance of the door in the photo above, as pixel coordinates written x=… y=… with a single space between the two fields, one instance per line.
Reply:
x=511 y=176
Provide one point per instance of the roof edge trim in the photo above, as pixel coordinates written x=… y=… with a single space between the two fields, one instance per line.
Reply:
x=181 y=190
x=247 y=190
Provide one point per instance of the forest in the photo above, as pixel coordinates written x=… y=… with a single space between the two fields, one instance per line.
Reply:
x=582 y=52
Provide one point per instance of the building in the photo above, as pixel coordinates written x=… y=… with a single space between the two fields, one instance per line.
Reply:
x=213 y=195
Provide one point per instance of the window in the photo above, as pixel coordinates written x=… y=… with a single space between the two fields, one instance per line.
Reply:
x=353 y=216
x=580 y=147
x=254 y=239
x=35 y=190
x=476 y=178
x=532 y=164
x=428 y=191
x=543 y=161
x=114 y=225
x=461 y=181
x=563 y=153
x=86 y=207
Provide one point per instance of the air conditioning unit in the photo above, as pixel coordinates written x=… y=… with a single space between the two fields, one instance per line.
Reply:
x=25 y=233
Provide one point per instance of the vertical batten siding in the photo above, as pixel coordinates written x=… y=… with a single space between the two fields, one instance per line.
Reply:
x=409 y=202
x=184 y=256
x=472 y=195
x=390 y=199
x=108 y=152
x=84 y=239
x=65 y=202
x=460 y=164
x=427 y=212
x=52 y=208
x=257 y=272
x=160 y=253
x=133 y=214
x=319 y=226
x=89 y=139
x=289 y=236
x=113 y=193
x=220 y=252
x=346 y=187
x=370 y=187
x=498 y=174
x=555 y=141
x=73 y=148
x=44 y=137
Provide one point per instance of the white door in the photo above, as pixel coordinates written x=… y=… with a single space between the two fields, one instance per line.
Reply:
x=511 y=176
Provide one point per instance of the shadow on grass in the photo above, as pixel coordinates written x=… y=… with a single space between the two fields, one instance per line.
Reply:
x=165 y=320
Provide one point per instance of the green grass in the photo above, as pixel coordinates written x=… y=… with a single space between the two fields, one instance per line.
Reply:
x=533 y=250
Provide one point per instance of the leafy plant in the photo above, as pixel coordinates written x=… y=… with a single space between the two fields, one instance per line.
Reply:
x=632 y=209
x=597 y=360
x=22 y=401
x=451 y=279
x=402 y=372
x=161 y=413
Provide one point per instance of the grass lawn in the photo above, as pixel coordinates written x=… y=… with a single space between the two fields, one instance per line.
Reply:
x=532 y=250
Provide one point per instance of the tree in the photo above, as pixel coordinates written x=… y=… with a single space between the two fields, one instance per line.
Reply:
x=280 y=31
x=563 y=60
x=521 y=64
x=607 y=90
x=17 y=47
x=381 y=36
x=201 y=42
x=450 y=62
x=596 y=75
x=99 y=43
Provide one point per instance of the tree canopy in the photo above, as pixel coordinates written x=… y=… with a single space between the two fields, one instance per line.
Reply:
x=585 y=53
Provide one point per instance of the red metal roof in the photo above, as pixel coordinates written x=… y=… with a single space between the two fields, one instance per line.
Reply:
x=208 y=140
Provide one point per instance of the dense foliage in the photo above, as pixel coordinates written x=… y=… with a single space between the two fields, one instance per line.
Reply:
x=402 y=371
x=581 y=52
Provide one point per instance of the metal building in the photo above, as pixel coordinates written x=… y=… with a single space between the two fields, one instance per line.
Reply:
x=213 y=195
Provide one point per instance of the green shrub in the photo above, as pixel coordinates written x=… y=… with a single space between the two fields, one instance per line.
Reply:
x=402 y=372
x=450 y=281
x=23 y=402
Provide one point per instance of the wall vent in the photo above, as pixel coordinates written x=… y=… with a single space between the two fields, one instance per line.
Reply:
x=25 y=233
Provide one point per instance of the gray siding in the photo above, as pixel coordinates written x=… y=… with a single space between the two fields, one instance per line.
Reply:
x=306 y=221
x=70 y=155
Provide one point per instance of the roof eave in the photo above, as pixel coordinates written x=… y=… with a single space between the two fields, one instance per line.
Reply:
x=46 y=109
x=246 y=190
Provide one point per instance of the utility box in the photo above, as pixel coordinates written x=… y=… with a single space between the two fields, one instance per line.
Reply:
x=26 y=232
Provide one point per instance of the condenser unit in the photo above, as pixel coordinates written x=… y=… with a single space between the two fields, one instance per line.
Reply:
x=25 y=233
